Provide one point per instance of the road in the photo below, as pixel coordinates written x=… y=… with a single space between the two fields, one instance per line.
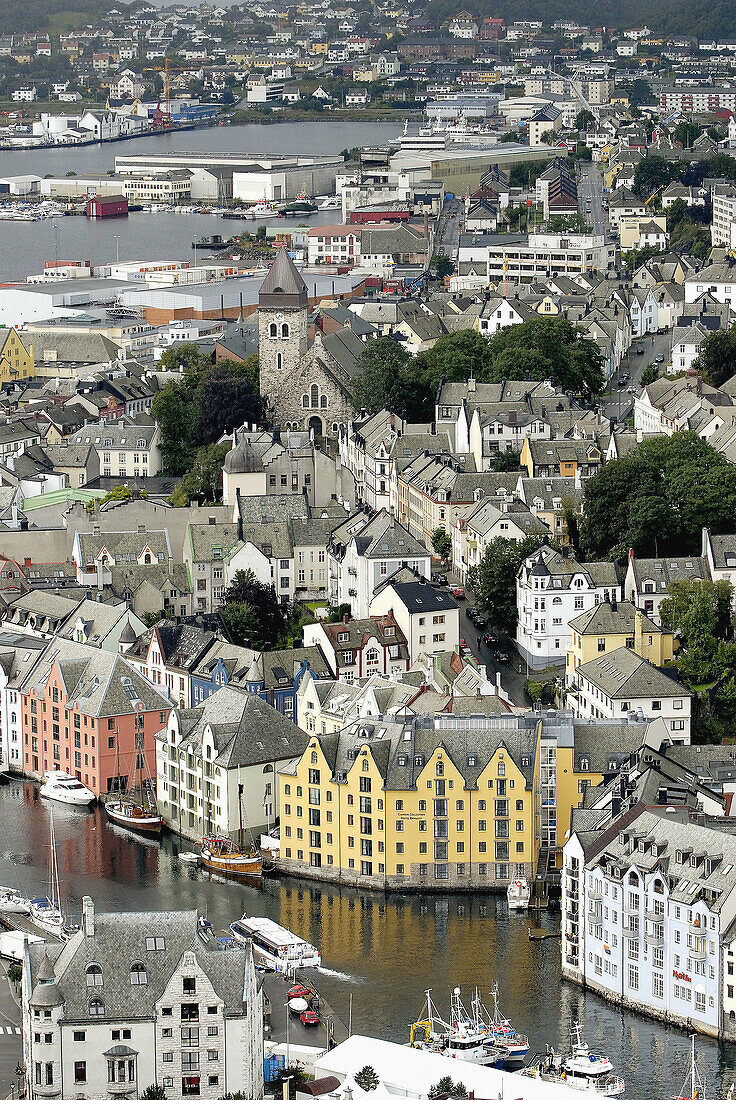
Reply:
x=11 y=1047
x=618 y=402
x=449 y=228
x=590 y=198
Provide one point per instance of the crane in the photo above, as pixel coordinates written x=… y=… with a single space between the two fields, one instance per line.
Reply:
x=578 y=92
x=654 y=194
x=166 y=70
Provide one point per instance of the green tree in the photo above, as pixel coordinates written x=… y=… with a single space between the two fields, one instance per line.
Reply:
x=153 y=1092
x=657 y=498
x=654 y=172
x=204 y=478
x=150 y=618
x=547 y=347
x=227 y=396
x=15 y=972
x=442 y=544
x=584 y=119
x=493 y=580
x=505 y=461
x=717 y=359
x=649 y=374
x=442 y=266
x=686 y=133
x=367 y=1079
x=266 y=617
x=337 y=614
x=382 y=380
x=172 y=408
x=443 y=1088
x=698 y=611
x=242 y=623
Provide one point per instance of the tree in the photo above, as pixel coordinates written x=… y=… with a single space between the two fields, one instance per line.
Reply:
x=493 y=580
x=717 y=359
x=442 y=266
x=367 y=1079
x=657 y=498
x=153 y=1092
x=443 y=1088
x=442 y=544
x=15 y=972
x=227 y=396
x=685 y=133
x=337 y=614
x=382 y=378
x=547 y=347
x=698 y=611
x=649 y=374
x=259 y=613
x=584 y=119
x=505 y=461
x=204 y=479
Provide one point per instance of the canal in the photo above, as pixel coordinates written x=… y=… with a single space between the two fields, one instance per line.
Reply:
x=385 y=950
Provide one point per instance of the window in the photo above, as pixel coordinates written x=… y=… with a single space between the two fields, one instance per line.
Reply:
x=138 y=975
x=155 y=943
x=96 y=1007
x=80 y=1073
x=79 y=1036
x=94 y=974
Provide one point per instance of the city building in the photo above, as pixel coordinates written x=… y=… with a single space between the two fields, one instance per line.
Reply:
x=360 y=647
x=140 y=999
x=610 y=625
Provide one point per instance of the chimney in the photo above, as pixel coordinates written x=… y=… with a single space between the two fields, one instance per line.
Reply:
x=639 y=633
x=614 y=603
x=88 y=916
x=346 y=618
x=471 y=384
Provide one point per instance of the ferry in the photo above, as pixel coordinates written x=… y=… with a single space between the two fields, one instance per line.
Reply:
x=466 y=1036
x=274 y=946
x=580 y=1070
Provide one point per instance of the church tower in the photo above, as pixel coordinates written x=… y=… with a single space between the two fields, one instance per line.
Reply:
x=282 y=333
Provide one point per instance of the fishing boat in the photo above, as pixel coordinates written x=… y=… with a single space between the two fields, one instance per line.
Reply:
x=505 y=1035
x=301 y=204
x=46 y=912
x=580 y=1070
x=62 y=787
x=466 y=1036
x=219 y=853
x=129 y=812
x=274 y=946
x=518 y=894
x=262 y=209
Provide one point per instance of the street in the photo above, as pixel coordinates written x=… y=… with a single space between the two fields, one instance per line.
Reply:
x=11 y=1047
x=449 y=228
x=618 y=402
x=590 y=198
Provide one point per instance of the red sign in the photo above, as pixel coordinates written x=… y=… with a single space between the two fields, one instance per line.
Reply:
x=681 y=977
x=529 y=202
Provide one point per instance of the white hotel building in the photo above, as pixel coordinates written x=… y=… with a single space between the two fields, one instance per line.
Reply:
x=649 y=917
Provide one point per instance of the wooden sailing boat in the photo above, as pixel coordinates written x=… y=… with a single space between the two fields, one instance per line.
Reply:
x=221 y=854
x=694 y=1087
x=128 y=812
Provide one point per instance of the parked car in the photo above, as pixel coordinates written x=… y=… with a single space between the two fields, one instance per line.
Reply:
x=470 y=613
x=490 y=640
x=459 y=593
x=441 y=579
x=309 y=1018
x=659 y=359
x=480 y=622
x=640 y=350
x=298 y=991
x=501 y=655
x=464 y=647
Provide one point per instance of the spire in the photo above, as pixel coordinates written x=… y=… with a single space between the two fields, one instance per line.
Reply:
x=283 y=287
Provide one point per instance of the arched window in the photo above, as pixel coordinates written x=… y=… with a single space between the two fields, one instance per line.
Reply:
x=366 y=766
x=279 y=361
x=323 y=401
x=138 y=975
x=147 y=559
x=96 y=1007
x=94 y=974
x=305 y=401
x=315 y=758
x=273 y=330
x=284 y=331
x=314 y=391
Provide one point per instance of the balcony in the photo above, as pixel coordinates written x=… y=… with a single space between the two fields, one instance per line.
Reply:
x=655 y=935
x=696 y=921
x=630 y=933
x=697 y=951
x=47 y=1090
x=121 y=1088
x=594 y=893
x=654 y=914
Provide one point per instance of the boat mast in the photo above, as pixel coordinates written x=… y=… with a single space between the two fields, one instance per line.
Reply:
x=54 y=868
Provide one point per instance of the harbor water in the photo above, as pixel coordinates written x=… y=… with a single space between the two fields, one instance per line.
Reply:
x=24 y=246
x=384 y=950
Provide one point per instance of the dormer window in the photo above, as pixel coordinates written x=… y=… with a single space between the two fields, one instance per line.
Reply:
x=343 y=637
x=94 y=974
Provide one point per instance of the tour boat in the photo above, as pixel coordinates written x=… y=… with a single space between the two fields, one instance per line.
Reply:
x=518 y=894
x=62 y=787
x=128 y=811
x=466 y=1036
x=12 y=902
x=219 y=853
x=579 y=1070
x=274 y=946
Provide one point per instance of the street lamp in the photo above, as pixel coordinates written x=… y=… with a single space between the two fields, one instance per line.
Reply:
x=117 y=247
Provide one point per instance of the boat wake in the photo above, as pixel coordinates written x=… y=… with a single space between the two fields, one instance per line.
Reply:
x=341 y=977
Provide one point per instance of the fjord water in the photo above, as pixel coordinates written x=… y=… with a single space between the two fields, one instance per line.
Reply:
x=385 y=950
x=25 y=245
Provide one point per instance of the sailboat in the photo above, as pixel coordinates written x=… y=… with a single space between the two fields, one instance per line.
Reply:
x=46 y=912
x=694 y=1087
x=220 y=853
x=129 y=813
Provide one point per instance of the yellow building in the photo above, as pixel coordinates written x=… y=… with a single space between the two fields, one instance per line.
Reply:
x=16 y=357
x=610 y=626
x=451 y=803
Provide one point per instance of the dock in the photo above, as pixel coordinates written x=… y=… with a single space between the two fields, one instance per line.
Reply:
x=543 y=934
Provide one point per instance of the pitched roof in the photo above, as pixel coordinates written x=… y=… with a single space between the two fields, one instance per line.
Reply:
x=622 y=674
x=283 y=286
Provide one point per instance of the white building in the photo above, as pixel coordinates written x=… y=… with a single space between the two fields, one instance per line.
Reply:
x=363 y=553
x=723 y=224
x=231 y=740
x=124 y=448
x=137 y=999
x=648 y=910
x=551 y=589
x=522 y=257
x=428 y=617
x=616 y=684
x=718 y=279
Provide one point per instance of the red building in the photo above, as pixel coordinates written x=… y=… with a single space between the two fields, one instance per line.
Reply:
x=107 y=206
x=90 y=713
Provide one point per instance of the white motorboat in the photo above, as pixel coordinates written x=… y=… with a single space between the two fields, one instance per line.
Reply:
x=189 y=857
x=580 y=1070
x=263 y=209
x=275 y=946
x=62 y=787
x=332 y=202
x=12 y=902
x=518 y=893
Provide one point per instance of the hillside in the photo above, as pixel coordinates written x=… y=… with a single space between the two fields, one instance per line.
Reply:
x=48 y=15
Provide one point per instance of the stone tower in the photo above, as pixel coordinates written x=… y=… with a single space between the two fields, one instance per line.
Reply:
x=282 y=333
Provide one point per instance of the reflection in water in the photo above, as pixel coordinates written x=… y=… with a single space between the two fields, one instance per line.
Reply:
x=389 y=949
